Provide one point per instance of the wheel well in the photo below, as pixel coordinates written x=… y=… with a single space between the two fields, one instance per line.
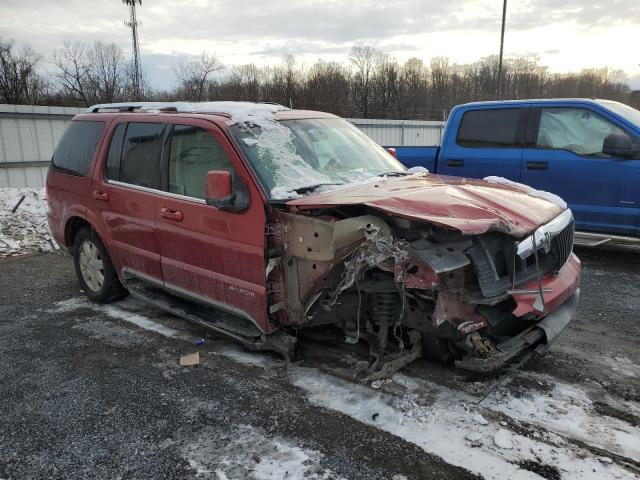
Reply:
x=73 y=227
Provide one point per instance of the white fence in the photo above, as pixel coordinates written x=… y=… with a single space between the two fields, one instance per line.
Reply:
x=29 y=134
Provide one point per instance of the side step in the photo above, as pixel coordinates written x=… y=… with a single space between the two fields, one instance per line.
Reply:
x=235 y=327
x=605 y=240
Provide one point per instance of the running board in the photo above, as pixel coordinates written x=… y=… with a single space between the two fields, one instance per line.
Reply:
x=592 y=239
x=211 y=318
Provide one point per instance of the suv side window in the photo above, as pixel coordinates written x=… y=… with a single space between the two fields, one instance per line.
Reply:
x=141 y=149
x=115 y=152
x=193 y=153
x=494 y=128
x=575 y=129
x=75 y=149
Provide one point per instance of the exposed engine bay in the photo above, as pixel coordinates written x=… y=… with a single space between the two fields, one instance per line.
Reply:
x=410 y=289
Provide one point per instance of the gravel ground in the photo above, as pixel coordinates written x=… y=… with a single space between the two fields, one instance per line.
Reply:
x=85 y=392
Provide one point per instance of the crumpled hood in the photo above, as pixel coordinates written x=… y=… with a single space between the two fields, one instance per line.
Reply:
x=470 y=206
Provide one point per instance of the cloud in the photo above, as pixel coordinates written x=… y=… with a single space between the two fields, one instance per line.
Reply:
x=243 y=31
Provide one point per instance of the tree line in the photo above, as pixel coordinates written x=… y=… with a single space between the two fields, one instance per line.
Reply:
x=371 y=84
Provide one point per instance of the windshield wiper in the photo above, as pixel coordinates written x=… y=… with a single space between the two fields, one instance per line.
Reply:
x=311 y=188
x=394 y=173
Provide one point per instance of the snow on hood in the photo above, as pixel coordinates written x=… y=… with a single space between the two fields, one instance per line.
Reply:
x=470 y=206
x=552 y=197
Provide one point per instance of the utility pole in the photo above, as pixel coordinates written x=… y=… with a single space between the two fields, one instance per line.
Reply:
x=504 y=15
x=133 y=25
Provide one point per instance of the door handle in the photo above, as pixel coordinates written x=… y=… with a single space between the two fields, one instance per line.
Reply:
x=103 y=196
x=171 y=214
x=455 y=163
x=537 y=165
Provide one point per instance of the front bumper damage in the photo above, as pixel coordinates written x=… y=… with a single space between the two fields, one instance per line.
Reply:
x=537 y=338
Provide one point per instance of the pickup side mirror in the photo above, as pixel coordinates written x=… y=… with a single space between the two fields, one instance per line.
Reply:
x=219 y=192
x=619 y=145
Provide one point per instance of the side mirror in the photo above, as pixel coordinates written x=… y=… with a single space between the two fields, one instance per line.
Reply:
x=392 y=151
x=619 y=145
x=219 y=192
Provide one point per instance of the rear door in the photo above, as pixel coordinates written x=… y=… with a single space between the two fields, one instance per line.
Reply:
x=486 y=142
x=565 y=157
x=209 y=255
x=126 y=200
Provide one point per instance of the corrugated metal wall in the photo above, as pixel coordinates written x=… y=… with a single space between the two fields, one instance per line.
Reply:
x=397 y=133
x=29 y=134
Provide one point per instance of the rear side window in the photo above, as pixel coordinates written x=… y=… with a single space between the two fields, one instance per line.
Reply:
x=494 y=128
x=75 y=149
x=141 y=149
x=193 y=153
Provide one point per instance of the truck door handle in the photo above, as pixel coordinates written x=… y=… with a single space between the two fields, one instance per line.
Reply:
x=103 y=196
x=455 y=163
x=171 y=214
x=537 y=165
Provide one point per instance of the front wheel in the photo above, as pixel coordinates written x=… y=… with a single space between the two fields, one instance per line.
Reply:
x=94 y=269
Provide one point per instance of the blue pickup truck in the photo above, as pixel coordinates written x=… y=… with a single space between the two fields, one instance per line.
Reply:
x=586 y=151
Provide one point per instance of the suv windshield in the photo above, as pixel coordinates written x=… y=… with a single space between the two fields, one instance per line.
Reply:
x=294 y=156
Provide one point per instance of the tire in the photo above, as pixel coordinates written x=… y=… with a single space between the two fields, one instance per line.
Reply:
x=94 y=268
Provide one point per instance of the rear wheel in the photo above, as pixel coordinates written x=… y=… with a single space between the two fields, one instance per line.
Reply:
x=94 y=269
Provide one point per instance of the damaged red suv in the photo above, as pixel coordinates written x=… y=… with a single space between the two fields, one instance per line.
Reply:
x=257 y=221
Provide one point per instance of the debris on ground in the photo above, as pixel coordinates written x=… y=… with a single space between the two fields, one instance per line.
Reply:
x=23 y=222
x=189 y=360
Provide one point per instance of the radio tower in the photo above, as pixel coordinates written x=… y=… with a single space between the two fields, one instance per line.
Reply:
x=133 y=25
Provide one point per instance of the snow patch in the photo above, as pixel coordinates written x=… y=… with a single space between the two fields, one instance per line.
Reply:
x=249 y=453
x=441 y=425
x=26 y=230
x=548 y=196
x=417 y=169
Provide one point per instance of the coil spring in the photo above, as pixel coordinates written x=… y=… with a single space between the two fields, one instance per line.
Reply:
x=385 y=308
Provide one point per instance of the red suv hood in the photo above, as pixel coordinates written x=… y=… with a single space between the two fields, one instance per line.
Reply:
x=470 y=206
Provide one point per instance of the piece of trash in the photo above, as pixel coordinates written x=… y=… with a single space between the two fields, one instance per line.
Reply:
x=374 y=416
x=198 y=342
x=13 y=210
x=606 y=460
x=478 y=418
x=188 y=360
x=256 y=458
x=503 y=440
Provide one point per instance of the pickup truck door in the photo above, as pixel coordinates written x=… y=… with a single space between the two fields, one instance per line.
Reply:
x=210 y=256
x=564 y=156
x=482 y=142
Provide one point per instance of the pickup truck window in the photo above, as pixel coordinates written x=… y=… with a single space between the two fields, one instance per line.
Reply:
x=194 y=152
x=575 y=129
x=493 y=128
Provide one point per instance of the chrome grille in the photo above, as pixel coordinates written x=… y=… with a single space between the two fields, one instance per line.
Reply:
x=562 y=244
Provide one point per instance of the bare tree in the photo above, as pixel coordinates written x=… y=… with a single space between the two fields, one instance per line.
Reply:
x=19 y=79
x=364 y=59
x=194 y=74
x=92 y=74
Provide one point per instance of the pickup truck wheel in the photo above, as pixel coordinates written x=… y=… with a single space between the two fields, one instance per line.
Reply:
x=94 y=269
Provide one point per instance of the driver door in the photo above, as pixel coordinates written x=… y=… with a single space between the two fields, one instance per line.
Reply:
x=212 y=256
x=565 y=157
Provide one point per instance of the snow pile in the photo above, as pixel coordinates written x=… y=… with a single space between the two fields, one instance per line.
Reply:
x=548 y=196
x=26 y=230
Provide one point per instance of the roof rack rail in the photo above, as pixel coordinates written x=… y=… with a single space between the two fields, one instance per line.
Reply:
x=130 y=107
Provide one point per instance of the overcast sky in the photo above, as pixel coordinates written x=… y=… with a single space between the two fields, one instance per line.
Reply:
x=564 y=35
